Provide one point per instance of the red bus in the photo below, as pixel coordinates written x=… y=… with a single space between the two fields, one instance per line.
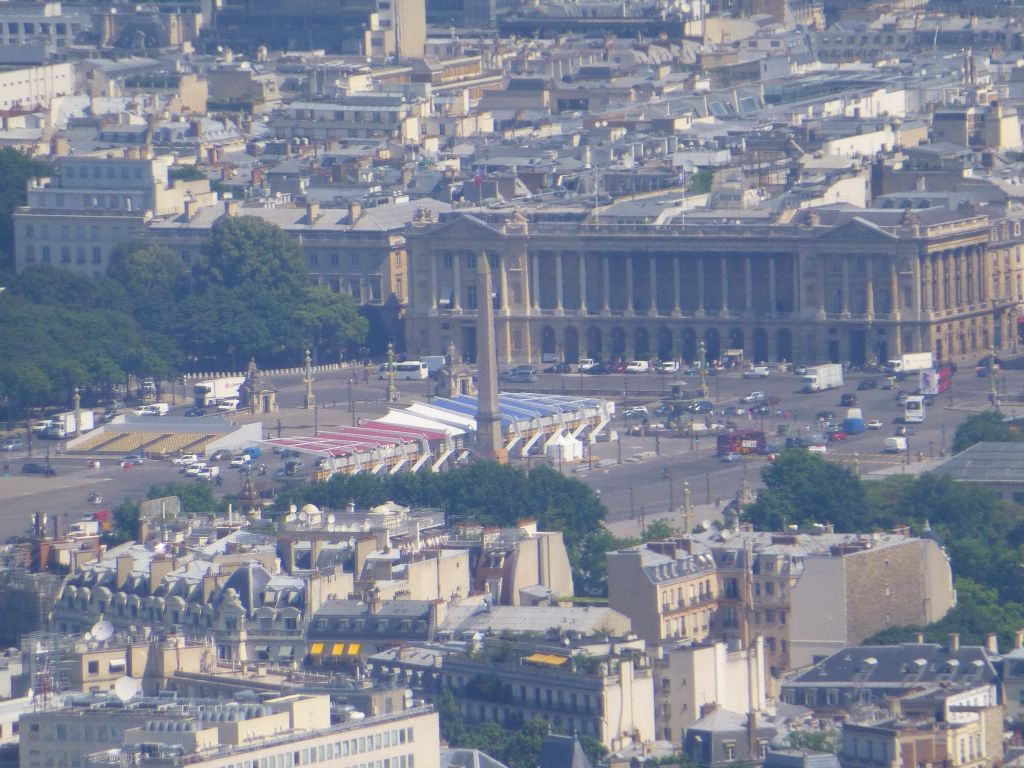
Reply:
x=742 y=441
x=938 y=380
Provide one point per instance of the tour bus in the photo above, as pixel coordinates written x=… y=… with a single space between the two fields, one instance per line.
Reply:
x=411 y=369
x=913 y=409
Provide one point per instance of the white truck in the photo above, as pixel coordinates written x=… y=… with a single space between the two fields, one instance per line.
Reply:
x=65 y=425
x=821 y=377
x=211 y=392
x=912 y=361
x=895 y=444
x=434 y=363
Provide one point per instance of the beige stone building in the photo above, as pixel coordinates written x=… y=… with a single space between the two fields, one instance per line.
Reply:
x=77 y=217
x=835 y=283
x=807 y=595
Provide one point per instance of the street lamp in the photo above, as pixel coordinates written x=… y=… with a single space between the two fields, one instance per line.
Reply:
x=351 y=402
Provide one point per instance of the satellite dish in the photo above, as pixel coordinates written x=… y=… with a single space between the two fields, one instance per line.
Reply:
x=102 y=630
x=705 y=525
x=126 y=688
x=330 y=519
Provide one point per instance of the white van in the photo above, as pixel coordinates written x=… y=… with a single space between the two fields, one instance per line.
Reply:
x=638 y=366
x=895 y=444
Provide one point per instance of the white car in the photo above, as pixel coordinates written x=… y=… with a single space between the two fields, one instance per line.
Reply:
x=208 y=473
x=668 y=366
x=753 y=397
x=242 y=460
x=757 y=372
x=873 y=424
x=195 y=469
x=227 y=405
x=818 y=448
x=185 y=460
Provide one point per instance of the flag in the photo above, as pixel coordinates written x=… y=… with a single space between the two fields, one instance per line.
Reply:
x=478 y=178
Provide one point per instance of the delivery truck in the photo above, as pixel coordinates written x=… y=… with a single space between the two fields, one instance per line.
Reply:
x=64 y=425
x=910 y=362
x=821 y=377
x=853 y=424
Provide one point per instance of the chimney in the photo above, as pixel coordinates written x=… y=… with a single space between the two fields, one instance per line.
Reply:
x=158 y=568
x=190 y=210
x=287 y=547
x=355 y=208
x=209 y=584
x=312 y=213
x=124 y=569
x=1018 y=639
x=314 y=554
x=230 y=207
x=375 y=600
x=954 y=643
x=919 y=638
x=992 y=643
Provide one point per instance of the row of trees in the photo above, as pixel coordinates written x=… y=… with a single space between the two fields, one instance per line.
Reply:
x=246 y=296
x=983 y=535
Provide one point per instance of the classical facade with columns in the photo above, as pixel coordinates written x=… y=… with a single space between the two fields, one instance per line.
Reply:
x=838 y=284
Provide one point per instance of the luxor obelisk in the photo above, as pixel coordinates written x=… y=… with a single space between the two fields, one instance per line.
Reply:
x=489 y=442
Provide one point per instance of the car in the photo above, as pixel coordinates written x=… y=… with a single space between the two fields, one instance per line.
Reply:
x=193 y=470
x=34 y=468
x=288 y=453
x=228 y=404
x=559 y=368
x=760 y=410
x=668 y=366
x=817 y=448
x=826 y=416
x=208 y=473
x=730 y=457
x=734 y=410
x=518 y=376
x=638 y=366
x=848 y=400
x=294 y=467
x=636 y=412
x=135 y=458
x=799 y=370
x=701 y=406
x=867 y=384
x=903 y=430
x=12 y=444
x=193 y=412
x=757 y=372
x=663 y=410
x=185 y=460
x=241 y=460
x=873 y=424
x=753 y=397
x=837 y=436
x=889 y=383
x=223 y=454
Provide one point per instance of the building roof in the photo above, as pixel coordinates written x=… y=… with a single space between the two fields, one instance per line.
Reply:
x=562 y=752
x=799 y=758
x=987 y=463
x=531 y=619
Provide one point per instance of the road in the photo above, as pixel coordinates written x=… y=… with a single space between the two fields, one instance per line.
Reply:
x=634 y=489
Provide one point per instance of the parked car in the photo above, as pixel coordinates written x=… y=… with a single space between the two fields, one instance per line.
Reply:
x=135 y=458
x=518 y=376
x=760 y=410
x=638 y=366
x=185 y=460
x=222 y=454
x=817 y=448
x=867 y=384
x=848 y=400
x=757 y=372
x=668 y=366
x=242 y=460
x=636 y=412
x=873 y=424
x=826 y=416
x=837 y=436
x=753 y=397
x=12 y=444
x=33 y=468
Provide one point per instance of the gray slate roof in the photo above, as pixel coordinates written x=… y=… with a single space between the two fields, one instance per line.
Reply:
x=987 y=463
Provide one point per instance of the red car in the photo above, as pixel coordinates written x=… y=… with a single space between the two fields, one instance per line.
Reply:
x=837 y=436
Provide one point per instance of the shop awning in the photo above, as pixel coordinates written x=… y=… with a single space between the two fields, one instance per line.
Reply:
x=338 y=649
x=546 y=658
x=284 y=652
x=316 y=649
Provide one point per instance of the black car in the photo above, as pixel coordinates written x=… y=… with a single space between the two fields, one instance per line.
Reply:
x=33 y=468
x=848 y=400
x=867 y=384
x=192 y=412
x=826 y=416
x=559 y=368
x=294 y=467
x=760 y=410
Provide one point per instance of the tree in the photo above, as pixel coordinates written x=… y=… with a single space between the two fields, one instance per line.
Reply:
x=819 y=741
x=988 y=426
x=802 y=487
x=16 y=168
x=124 y=522
x=330 y=321
x=659 y=530
x=196 y=498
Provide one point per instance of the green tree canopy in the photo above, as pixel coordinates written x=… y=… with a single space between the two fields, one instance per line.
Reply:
x=16 y=168
x=989 y=426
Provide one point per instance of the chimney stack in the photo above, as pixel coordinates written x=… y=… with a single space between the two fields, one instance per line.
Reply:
x=230 y=208
x=992 y=643
x=355 y=208
x=124 y=569
x=312 y=213
x=919 y=638
x=1018 y=639
x=954 y=643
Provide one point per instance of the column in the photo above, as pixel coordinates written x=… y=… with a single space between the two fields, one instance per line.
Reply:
x=772 y=300
x=457 y=290
x=844 y=299
x=798 y=299
x=559 y=284
x=503 y=287
x=940 y=282
x=700 y=287
x=725 y=285
x=583 y=283
x=677 y=301
x=927 y=297
x=869 y=293
x=652 y=266
x=433 y=282
x=917 y=286
x=535 y=275
x=606 y=287
x=821 y=286
x=986 y=274
x=629 y=284
x=894 y=293
x=748 y=284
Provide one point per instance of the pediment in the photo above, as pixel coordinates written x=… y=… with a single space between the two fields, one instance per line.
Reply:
x=465 y=227
x=857 y=229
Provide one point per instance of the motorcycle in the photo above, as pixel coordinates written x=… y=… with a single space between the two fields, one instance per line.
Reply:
x=95 y=498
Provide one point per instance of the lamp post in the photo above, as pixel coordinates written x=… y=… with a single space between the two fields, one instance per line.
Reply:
x=351 y=402
x=686 y=506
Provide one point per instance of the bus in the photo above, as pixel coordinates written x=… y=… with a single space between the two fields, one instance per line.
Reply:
x=914 y=410
x=935 y=381
x=411 y=370
x=742 y=441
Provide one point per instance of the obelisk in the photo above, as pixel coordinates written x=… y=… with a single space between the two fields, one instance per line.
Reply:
x=489 y=441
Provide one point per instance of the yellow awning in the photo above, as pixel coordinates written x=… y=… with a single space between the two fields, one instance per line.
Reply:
x=353 y=649
x=546 y=658
x=338 y=649
x=316 y=649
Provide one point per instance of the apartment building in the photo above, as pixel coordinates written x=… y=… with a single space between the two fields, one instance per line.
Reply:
x=605 y=689
x=27 y=88
x=286 y=731
x=807 y=595
x=75 y=218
